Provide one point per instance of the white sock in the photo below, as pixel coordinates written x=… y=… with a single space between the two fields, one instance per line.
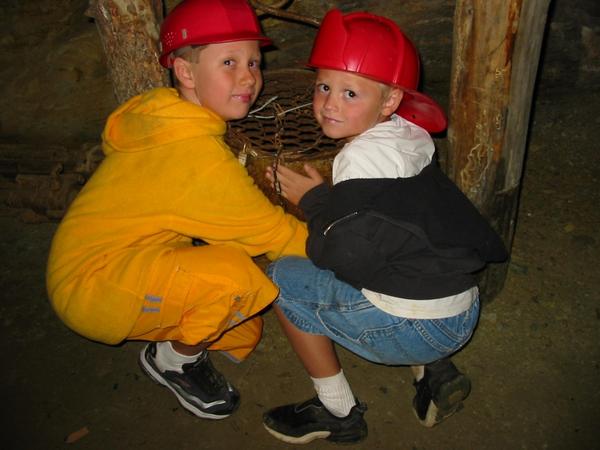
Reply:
x=335 y=394
x=168 y=359
x=418 y=372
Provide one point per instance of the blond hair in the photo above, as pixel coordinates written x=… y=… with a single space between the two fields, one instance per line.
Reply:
x=189 y=53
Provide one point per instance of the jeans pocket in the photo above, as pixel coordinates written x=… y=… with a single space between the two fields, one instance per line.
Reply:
x=450 y=334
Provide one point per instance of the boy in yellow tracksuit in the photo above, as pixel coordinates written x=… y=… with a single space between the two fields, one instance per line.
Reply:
x=122 y=265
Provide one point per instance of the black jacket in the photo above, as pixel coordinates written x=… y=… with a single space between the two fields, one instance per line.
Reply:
x=417 y=237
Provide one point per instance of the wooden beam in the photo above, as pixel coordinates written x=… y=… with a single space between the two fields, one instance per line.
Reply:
x=129 y=31
x=496 y=52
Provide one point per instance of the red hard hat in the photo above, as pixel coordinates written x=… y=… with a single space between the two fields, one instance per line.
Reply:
x=198 y=22
x=374 y=47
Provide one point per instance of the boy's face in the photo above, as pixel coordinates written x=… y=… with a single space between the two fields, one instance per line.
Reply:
x=346 y=104
x=226 y=78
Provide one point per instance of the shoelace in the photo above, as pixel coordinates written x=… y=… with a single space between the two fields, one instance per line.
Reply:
x=204 y=372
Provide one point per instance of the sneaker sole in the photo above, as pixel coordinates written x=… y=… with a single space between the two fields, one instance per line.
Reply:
x=299 y=439
x=309 y=437
x=453 y=393
x=149 y=370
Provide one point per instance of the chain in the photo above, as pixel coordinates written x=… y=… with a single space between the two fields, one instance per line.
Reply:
x=279 y=115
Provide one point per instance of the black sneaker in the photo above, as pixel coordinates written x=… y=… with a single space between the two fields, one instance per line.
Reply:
x=440 y=392
x=200 y=389
x=301 y=423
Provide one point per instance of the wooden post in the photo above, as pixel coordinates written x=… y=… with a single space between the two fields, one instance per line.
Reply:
x=496 y=53
x=129 y=32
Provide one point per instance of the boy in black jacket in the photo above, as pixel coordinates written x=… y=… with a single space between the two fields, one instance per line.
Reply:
x=393 y=245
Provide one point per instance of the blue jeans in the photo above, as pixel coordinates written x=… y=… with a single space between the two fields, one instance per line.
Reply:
x=316 y=302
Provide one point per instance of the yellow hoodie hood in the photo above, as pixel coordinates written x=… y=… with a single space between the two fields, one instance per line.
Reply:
x=157 y=117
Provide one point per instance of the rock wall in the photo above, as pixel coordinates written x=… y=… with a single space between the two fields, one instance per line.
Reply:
x=571 y=57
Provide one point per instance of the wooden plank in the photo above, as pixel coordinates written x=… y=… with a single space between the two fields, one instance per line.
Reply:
x=16 y=159
x=44 y=180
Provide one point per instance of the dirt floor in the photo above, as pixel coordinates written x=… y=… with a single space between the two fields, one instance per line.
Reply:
x=534 y=359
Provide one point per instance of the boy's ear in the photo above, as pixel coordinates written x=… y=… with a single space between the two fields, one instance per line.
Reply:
x=183 y=72
x=392 y=101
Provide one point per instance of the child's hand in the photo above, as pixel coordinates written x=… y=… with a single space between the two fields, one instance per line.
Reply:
x=294 y=185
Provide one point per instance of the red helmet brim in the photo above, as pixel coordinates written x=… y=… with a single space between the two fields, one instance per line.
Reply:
x=422 y=110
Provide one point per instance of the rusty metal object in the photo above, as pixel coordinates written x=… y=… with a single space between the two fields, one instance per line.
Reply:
x=281 y=129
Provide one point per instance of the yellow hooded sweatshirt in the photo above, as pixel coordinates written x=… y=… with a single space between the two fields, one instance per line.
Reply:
x=167 y=177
